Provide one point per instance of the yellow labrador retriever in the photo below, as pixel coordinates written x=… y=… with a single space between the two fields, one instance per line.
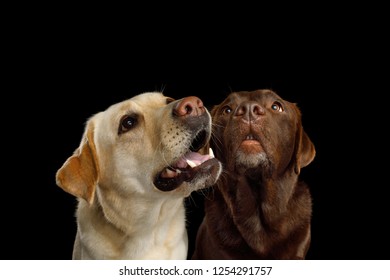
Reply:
x=136 y=163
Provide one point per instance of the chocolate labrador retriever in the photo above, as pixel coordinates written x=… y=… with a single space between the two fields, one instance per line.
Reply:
x=258 y=208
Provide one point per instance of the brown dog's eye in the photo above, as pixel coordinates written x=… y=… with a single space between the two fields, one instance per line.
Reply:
x=276 y=106
x=127 y=123
x=226 y=110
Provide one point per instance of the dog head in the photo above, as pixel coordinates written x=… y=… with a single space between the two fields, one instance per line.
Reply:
x=147 y=144
x=259 y=131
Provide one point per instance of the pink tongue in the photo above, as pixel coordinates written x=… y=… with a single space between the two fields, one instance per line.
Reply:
x=192 y=156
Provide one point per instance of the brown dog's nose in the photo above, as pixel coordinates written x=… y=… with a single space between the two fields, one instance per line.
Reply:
x=249 y=111
x=189 y=106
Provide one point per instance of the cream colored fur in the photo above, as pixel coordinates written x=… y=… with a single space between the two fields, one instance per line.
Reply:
x=120 y=213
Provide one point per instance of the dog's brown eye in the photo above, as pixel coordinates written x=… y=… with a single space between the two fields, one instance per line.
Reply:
x=127 y=123
x=276 y=106
x=226 y=110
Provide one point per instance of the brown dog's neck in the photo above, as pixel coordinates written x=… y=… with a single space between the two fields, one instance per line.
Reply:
x=262 y=193
x=263 y=212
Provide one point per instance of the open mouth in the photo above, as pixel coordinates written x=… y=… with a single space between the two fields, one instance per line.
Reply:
x=189 y=165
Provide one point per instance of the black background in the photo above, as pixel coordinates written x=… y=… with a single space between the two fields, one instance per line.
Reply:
x=59 y=79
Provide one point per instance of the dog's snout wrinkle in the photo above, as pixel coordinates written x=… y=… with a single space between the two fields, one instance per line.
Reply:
x=249 y=111
x=189 y=106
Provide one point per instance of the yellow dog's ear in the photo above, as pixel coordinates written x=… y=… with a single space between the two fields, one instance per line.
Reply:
x=79 y=174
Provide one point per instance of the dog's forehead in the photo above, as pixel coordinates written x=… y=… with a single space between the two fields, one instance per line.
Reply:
x=143 y=100
x=256 y=95
x=150 y=99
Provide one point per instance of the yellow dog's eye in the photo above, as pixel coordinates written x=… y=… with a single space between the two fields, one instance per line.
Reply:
x=276 y=106
x=127 y=123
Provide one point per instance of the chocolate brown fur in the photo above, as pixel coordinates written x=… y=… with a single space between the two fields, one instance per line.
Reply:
x=258 y=208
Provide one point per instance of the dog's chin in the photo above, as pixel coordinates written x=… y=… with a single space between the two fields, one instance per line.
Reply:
x=251 y=160
x=251 y=154
x=189 y=178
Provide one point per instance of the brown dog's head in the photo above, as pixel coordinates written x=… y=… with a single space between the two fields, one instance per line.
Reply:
x=259 y=131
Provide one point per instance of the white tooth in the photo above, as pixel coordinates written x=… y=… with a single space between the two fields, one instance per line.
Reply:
x=191 y=163
x=168 y=173
x=178 y=171
x=211 y=153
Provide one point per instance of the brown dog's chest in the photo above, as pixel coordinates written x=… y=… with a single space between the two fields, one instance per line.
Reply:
x=254 y=222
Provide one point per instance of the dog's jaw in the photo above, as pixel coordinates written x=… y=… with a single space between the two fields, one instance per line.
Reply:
x=194 y=170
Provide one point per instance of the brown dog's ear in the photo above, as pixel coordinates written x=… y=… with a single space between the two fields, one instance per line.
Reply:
x=79 y=174
x=308 y=150
x=305 y=152
x=304 y=149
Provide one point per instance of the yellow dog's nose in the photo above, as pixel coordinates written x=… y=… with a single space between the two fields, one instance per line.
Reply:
x=189 y=106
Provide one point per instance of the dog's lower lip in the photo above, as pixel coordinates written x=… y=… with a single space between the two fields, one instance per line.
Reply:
x=251 y=146
x=250 y=142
